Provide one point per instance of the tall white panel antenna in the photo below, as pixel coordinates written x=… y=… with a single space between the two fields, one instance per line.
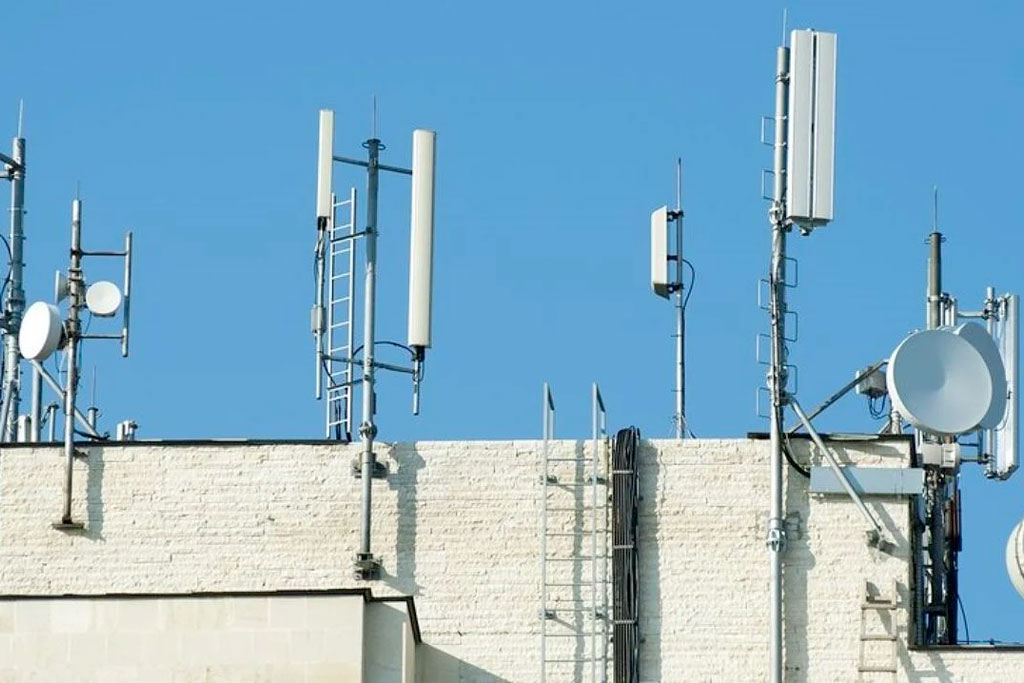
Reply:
x=659 y=252
x=325 y=165
x=811 y=135
x=421 y=239
x=1007 y=456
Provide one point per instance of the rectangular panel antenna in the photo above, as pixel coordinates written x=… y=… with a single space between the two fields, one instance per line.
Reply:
x=1007 y=457
x=811 y=128
x=325 y=164
x=659 y=252
x=421 y=237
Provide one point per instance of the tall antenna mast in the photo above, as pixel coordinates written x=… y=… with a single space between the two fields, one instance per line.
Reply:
x=367 y=565
x=14 y=304
x=666 y=280
x=802 y=187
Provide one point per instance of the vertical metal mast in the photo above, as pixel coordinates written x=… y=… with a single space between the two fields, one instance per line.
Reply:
x=366 y=564
x=76 y=299
x=776 y=540
x=14 y=306
x=680 y=321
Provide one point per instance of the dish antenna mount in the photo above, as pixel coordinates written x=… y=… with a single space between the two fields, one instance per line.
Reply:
x=43 y=332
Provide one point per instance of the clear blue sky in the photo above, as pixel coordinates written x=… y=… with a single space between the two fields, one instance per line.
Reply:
x=194 y=123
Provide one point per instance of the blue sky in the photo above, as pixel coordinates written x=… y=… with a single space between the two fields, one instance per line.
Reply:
x=195 y=125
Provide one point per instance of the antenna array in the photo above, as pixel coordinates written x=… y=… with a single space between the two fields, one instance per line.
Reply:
x=337 y=359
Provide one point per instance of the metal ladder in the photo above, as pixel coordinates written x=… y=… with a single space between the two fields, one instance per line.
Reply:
x=340 y=302
x=574 y=554
x=880 y=606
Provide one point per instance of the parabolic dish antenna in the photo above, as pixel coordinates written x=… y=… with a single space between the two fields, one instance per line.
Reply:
x=939 y=382
x=982 y=341
x=103 y=298
x=41 y=330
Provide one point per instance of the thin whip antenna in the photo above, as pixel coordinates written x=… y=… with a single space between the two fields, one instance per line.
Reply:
x=679 y=183
x=935 y=208
x=21 y=116
x=785 y=23
x=374 y=118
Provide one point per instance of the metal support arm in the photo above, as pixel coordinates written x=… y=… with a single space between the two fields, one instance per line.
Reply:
x=875 y=535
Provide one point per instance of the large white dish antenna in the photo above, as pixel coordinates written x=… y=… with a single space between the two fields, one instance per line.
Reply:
x=41 y=330
x=1015 y=557
x=982 y=341
x=103 y=298
x=939 y=382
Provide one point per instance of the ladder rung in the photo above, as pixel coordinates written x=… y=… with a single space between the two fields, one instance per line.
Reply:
x=582 y=460
x=877 y=669
x=571 y=534
x=573 y=509
x=581 y=558
x=878 y=637
x=582 y=584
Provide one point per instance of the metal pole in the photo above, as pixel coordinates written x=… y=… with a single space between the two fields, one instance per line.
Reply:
x=15 y=304
x=680 y=321
x=366 y=564
x=75 y=286
x=776 y=540
x=934 y=280
x=37 y=405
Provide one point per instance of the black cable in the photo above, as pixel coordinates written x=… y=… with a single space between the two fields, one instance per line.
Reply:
x=693 y=279
x=802 y=471
x=963 y=613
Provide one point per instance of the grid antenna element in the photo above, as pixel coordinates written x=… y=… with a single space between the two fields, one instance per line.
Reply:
x=338 y=359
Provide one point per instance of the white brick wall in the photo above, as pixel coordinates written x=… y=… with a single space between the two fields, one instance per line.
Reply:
x=457 y=524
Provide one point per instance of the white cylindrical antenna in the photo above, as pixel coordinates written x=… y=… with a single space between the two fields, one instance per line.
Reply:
x=421 y=252
x=325 y=165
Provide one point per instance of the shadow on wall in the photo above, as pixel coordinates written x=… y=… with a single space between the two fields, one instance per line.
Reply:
x=404 y=483
x=650 y=561
x=433 y=664
x=94 y=496
x=936 y=672
x=798 y=562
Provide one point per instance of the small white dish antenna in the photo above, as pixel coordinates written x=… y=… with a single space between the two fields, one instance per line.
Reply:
x=41 y=331
x=60 y=287
x=939 y=382
x=103 y=298
x=982 y=341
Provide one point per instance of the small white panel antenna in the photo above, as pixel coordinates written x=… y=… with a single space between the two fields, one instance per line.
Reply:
x=811 y=135
x=659 y=252
x=103 y=299
x=421 y=238
x=41 y=331
x=325 y=165
x=60 y=287
x=939 y=382
x=986 y=346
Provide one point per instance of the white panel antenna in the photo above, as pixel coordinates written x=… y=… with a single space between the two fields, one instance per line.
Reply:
x=325 y=165
x=1006 y=450
x=811 y=128
x=659 y=252
x=421 y=239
